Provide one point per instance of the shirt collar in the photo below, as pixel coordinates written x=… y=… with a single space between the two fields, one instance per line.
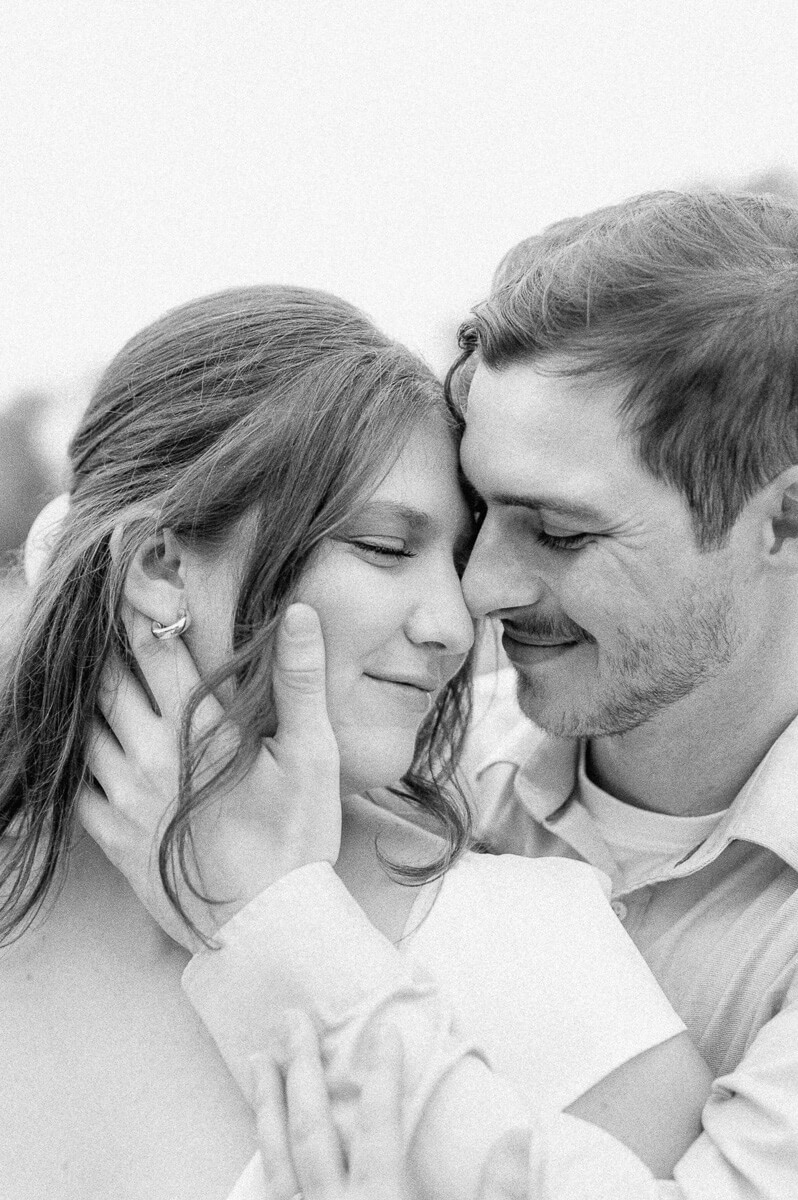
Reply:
x=763 y=812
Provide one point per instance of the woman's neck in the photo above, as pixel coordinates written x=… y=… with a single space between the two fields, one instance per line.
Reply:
x=386 y=823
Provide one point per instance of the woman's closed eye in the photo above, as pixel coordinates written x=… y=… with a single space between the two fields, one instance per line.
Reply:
x=381 y=551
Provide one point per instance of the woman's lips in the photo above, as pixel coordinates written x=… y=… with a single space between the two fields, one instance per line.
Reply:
x=415 y=693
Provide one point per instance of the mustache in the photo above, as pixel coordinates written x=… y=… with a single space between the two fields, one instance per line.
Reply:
x=548 y=629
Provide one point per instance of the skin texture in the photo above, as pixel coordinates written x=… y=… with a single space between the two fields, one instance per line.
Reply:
x=388 y=595
x=624 y=631
x=390 y=603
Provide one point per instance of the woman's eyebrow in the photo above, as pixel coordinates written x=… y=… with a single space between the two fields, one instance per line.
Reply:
x=380 y=509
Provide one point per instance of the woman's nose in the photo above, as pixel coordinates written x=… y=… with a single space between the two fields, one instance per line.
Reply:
x=441 y=617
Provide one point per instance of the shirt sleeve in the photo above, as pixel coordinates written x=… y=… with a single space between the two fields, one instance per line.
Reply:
x=305 y=943
x=749 y=1147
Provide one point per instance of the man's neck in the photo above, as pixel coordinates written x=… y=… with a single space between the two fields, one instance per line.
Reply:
x=695 y=756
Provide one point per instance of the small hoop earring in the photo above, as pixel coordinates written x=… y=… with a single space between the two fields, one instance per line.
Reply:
x=164 y=632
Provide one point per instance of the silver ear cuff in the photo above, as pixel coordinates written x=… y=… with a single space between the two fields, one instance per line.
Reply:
x=164 y=632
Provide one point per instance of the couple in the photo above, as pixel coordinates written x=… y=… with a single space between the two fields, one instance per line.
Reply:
x=629 y=461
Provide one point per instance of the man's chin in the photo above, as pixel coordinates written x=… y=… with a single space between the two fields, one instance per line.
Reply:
x=552 y=713
x=541 y=708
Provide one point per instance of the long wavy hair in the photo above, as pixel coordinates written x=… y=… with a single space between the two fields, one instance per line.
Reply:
x=278 y=401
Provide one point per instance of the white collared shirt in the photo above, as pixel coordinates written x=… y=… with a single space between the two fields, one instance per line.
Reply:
x=716 y=922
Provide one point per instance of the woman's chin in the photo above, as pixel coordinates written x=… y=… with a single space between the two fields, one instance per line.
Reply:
x=375 y=761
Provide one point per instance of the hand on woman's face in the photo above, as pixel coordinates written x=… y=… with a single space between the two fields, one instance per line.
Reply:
x=387 y=591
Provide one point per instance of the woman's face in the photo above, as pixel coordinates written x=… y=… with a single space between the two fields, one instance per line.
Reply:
x=387 y=591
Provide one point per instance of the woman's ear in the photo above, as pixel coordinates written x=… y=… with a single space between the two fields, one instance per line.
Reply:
x=155 y=582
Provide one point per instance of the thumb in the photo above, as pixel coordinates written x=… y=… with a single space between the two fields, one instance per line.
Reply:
x=299 y=679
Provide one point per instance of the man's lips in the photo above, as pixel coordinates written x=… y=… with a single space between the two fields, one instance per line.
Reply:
x=531 y=639
x=527 y=651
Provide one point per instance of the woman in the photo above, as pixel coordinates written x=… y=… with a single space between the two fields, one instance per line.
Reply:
x=258 y=447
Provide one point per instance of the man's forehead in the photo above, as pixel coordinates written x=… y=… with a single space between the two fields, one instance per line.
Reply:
x=540 y=392
x=544 y=412
x=546 y=440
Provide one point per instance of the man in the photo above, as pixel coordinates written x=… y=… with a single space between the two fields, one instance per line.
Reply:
x=631 y=400
x=633 y=435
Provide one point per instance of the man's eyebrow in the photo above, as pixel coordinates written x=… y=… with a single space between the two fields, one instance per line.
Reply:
x=563 y=508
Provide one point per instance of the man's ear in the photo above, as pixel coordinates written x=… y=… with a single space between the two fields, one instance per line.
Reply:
x=155 y=579
x=783 y=530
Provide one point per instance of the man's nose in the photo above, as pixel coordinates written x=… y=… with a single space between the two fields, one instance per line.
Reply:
x=497 y=578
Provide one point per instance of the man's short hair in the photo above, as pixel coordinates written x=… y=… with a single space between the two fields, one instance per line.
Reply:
x=691 y=300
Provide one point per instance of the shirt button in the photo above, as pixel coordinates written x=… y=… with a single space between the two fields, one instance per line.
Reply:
x=620 y=909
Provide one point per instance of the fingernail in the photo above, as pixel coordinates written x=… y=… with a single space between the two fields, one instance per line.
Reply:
x=299 y=621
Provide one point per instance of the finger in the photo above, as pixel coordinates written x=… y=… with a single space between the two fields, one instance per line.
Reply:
x=299 y=681
x=124 y=703
x=105 y=758
x=378 y=1157
x=100 y=820
x=169 y=672
x=313 y=1138
x=272 y=1121
x=101 y=813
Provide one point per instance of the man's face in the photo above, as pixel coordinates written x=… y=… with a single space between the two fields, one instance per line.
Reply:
x=610 y=611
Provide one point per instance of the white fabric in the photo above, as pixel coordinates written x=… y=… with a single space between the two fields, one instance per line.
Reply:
x=252 y=1184
x=642 y=842
x=536 y=969
x=529 y=965
x=718 y=927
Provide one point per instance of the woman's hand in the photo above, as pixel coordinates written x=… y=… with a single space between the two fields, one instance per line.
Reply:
x=283 y=814
x=300 y=1148
x=299 y=1144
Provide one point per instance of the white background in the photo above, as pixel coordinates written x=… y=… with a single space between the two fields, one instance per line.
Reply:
x=154 y=150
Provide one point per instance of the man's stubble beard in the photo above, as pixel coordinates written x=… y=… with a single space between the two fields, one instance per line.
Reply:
x=652 y=670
